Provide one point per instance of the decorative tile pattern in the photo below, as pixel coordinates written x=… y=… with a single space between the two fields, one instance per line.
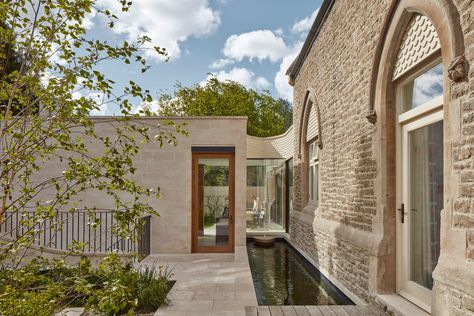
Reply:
x=419 y=42
x=271 y=147
x=312 y=130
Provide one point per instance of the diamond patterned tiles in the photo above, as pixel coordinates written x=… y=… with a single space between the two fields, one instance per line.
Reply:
x=419 y=42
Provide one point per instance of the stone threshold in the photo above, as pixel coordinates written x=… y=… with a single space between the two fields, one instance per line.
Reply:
x=400 y=306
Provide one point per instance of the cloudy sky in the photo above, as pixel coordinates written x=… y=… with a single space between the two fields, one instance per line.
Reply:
x=249 y=41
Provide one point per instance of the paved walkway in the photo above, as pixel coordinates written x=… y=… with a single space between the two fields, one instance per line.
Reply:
x=208 y=284
x=320 y=310
x=221 y=285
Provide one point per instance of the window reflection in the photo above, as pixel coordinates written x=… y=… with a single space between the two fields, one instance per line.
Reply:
x=313 y=172
x=266 y=195
x=424 y=88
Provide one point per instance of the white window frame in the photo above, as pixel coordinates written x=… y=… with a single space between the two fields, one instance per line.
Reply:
x=313 y=172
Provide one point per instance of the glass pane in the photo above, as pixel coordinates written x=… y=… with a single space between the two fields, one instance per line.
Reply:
x=290 y=184
x=276 y=215
x=316 y=183
x=423 y=88
x=265 y=194
x=425 y=200
x=213 y=186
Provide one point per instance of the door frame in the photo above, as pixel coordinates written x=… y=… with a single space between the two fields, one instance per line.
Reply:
x=195 y=248
x=421 y=116
x=416 y=293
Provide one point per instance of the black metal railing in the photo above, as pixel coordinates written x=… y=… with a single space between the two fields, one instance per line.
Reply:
x=96 y=231
x=144 y=244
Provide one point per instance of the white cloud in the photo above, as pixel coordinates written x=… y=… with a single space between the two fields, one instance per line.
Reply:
x=99 y=99
x=88 y=21
x=245 y=77
x=305 y=24
x=152 y=106
x=283 y=89
x=279 y=31
x=428 y=86
x=167 y=23
x=221 y=63
x=260 y=45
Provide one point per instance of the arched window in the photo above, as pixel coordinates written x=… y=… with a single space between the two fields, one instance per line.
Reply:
x=313 y=183
x=311 y=145
x=418 y=78
x=421 y=51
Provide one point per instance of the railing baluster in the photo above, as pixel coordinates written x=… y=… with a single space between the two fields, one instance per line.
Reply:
x=100 y=234
x=95 y=236
x=56 y=229
x=66 y=221
x=89 y=232
x=112 y=232
x=78 y=234
x=84 y=230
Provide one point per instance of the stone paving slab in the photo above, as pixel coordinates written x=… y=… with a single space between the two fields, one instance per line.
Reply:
x=208 y=284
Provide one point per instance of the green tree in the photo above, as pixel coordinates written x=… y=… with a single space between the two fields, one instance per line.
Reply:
x=48 y=59
x=266 y=116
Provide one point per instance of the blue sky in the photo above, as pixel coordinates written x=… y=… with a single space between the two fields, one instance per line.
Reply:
x=250 y=41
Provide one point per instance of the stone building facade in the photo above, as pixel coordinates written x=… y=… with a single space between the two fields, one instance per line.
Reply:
x=349 y=80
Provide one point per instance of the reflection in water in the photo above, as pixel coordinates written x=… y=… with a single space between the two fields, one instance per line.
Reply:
x=282 y=277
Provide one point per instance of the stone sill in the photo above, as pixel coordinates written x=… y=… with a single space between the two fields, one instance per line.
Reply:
x=400 y=306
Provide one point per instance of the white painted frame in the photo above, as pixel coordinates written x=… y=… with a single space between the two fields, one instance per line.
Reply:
x=418 y=117
x=409 y=289
x=313 y=164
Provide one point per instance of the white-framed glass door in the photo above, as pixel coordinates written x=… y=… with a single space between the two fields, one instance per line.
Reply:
x=420 y=207
x=420 y=171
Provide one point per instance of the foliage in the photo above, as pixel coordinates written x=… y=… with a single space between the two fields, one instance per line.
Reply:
x=266 y=116
x=28 y=292
x=152 y=288
x=48 y=87
x=111 y=288
x=216 y=176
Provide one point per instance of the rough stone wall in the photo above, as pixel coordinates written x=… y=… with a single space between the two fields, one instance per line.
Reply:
x=460 y=302
x=463 y=147
x=338 y=71
x=338 y=68
x=347 y=263
x=170 y=168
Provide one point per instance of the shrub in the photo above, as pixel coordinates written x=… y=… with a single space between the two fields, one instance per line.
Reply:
x=112 y=288
x=153 y=287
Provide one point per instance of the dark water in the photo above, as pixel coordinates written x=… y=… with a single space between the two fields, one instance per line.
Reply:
x=283 y=277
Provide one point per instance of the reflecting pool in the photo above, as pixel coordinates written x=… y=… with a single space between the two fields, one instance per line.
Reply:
x=281 y=276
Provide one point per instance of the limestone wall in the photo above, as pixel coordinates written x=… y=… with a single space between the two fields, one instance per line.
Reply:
x=352 y=227
x=170 y=169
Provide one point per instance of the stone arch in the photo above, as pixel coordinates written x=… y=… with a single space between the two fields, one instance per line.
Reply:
x=310 y=102
x=445 y=19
